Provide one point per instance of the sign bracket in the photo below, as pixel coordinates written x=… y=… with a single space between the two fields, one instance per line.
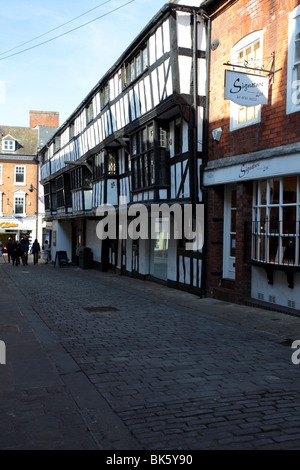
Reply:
x=260 y=69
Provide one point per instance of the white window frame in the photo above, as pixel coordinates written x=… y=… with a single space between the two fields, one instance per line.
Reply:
x=20 y=194
x=293 y=86
x=16 y=183
x=6 y=144
x=234 y=108
x=228 y=259
x=1 y=202
x=263 y=230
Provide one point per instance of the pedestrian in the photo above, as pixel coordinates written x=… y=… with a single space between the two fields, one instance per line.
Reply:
x=24 y=244
x=9 y=245
x=16 y=253
x=35 y=251
x=46 y=252
x=1 y=248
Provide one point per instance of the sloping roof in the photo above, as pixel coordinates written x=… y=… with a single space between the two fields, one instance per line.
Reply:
x=25 y=137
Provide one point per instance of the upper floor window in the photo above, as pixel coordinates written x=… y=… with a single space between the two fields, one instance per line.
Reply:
x=135 y=66
x=57 y=143
x=20 y=174
x=104 y=95
x=89 y=113
x=143 y=158
x=293 y=71
x=8 y=144
x=19 y=203
x=72 y=130
x=248 y=51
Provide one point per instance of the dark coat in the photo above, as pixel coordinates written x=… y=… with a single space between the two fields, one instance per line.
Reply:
x=24 y=245
x=36 y=247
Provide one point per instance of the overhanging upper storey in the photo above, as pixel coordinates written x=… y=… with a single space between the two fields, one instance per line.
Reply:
x=161 y=72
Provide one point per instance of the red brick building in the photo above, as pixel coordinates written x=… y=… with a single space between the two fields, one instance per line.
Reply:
x=21 y=200
x=252 y=175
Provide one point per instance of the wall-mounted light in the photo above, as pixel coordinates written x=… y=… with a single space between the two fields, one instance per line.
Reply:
x=30 y=189
x=216 y=133
x=215 y=44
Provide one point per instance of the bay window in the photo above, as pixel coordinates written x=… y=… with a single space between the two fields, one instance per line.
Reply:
x=275 y=221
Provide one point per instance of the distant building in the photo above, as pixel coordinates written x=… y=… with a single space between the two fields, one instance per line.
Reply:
x=21 y=202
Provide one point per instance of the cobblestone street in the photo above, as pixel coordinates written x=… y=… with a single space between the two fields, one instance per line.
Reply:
x=99 y=361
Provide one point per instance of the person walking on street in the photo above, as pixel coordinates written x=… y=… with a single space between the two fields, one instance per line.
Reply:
x=35 y=251
x=24 y=250
x=16 y=253
x=46 y=254
x=9 y=245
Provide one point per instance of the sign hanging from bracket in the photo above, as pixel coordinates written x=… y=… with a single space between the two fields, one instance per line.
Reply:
x=246 y=89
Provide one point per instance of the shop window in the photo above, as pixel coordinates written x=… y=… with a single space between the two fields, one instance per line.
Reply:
x=293 y=69
x=1 y=166
x=248 y=51
x=275 y=221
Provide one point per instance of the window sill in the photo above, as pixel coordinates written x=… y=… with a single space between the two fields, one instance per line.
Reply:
x=288 y=269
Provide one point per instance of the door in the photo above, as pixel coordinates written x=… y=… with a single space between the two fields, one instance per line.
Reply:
x=229 y=238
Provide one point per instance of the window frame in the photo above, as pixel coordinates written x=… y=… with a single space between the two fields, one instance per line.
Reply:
x=17 y=183
x=142 y=151
x=135 y=67
x=19 y=194
x=1 y=173
x=293 y=92
x=5 y=145
x=243 y=43
x=268 y=230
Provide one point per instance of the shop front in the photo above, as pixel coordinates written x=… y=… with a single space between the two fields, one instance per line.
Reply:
x=17 y=228
x=261 y=227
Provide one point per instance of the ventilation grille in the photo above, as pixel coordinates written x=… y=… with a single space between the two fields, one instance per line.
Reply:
x=291 y=303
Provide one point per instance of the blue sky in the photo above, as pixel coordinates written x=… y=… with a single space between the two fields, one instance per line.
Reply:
x=58 y=75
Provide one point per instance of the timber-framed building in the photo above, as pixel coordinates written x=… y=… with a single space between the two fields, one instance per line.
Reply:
x=138 y=136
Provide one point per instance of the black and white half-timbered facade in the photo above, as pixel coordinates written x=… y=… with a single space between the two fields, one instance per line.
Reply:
x=137 y=138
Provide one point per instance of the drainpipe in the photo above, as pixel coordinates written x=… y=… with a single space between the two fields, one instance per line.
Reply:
x=205 y=144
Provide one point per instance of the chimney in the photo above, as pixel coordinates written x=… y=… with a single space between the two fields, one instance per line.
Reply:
x=43 y=118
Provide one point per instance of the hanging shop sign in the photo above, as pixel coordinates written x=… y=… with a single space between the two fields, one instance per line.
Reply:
x=246 y=89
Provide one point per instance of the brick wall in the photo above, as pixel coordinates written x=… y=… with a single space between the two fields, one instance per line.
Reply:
x=8 y=187
x=276 y=127
x=43 y=118
x=231 y=24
